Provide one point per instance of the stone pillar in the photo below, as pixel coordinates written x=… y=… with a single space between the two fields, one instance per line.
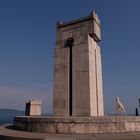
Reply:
x=33 y=107
x=78 y=71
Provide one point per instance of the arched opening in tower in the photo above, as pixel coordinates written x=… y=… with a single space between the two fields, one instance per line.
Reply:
x=69 y=44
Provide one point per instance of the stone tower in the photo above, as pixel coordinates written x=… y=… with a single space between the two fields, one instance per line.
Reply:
x=78 y=72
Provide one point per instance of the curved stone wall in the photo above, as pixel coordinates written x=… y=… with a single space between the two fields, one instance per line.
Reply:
x=10 y=134
x=73 y=125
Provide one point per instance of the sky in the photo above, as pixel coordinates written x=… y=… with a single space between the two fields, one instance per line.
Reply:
x=27 y=41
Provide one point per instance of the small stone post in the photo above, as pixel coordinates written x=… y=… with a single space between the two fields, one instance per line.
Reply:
x=33 y=107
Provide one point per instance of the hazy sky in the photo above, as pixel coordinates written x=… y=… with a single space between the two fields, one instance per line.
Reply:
x=27 y=41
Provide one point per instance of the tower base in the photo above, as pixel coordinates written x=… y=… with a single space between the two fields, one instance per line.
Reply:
x=75 y=125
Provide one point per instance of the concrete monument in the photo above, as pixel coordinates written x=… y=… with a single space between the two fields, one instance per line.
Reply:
x=78 y=94
x=78 y=71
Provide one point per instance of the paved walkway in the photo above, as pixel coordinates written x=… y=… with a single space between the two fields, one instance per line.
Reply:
x=9 y=134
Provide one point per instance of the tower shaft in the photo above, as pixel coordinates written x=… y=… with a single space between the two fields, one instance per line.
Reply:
x=78 y=72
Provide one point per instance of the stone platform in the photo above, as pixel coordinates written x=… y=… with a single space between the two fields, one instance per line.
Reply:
x=10 y=134
x=77 y=125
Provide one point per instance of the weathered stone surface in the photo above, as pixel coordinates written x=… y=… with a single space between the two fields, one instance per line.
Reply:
x=75 y=125
x=33 y=107
x=9 y=134
x=87 y=93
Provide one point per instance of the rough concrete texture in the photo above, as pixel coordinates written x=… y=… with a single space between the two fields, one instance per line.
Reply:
x=87 y=93
x=9 y=134
x=33 y=107
x=72 y=125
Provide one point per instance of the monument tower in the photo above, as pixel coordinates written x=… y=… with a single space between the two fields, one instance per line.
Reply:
x=78 y=95
x=78 y=72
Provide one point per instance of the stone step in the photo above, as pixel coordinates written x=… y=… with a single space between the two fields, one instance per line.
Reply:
x=7 y=133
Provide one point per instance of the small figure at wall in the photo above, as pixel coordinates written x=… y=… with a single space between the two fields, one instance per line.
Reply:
x=139 y=104
x=136 y=111
x=119 y=107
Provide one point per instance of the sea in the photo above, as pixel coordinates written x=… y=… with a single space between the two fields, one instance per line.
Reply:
x=7 y=115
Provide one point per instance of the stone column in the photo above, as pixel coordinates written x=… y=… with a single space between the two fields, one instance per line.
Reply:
x=33 y=108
